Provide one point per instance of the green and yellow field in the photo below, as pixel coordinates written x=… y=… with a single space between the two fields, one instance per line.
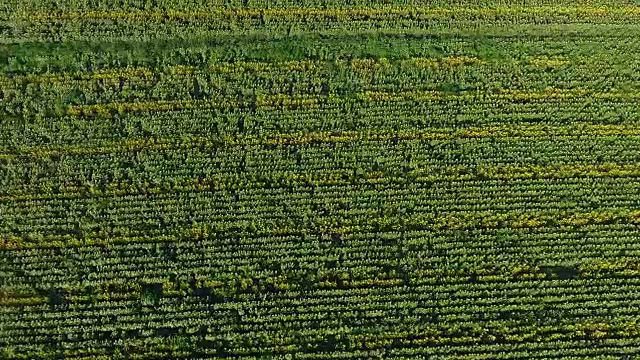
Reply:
x=339 y=179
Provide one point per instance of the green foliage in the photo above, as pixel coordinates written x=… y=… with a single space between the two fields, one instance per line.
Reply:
x=370 y=179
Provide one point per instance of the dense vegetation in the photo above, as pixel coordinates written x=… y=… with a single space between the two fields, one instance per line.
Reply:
x=319 y=180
